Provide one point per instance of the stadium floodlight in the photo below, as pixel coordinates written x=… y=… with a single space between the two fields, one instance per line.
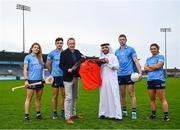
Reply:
x=165 y=30
x=23 y=8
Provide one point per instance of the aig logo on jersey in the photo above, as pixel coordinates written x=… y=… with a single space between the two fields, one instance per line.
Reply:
x=159 y=85
x=163 y=84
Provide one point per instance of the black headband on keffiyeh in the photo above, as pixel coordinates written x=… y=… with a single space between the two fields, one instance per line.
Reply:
x=105 y=44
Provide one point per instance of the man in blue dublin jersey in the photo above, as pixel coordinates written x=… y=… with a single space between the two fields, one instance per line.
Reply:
x=53 y=60
x=127 y=61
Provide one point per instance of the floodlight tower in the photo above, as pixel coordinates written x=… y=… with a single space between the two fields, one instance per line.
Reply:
x=23 y=8
x=165 y=30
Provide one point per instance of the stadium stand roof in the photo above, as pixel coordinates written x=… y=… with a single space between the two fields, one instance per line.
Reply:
x=15 y=56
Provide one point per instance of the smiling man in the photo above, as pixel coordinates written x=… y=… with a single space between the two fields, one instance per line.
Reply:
x=109 y=106
x=127 y=58
x=53 y=60
x=69 y=58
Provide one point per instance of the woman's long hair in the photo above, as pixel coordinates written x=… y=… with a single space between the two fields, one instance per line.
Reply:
x=39 y=54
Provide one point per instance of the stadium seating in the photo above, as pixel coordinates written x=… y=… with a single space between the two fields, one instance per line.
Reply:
x=10 y=69
x=11 y=65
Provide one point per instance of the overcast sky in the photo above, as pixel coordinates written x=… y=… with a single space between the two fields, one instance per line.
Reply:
x=92 y=22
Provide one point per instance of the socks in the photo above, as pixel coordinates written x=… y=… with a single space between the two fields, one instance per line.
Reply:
x=165 y=114
x=55 y=112
x=26 y=115
x=154 y=113
x=38 y=113
x=124 y=108
x=133 y=109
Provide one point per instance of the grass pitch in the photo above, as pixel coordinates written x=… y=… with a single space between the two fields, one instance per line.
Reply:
x=12 y=109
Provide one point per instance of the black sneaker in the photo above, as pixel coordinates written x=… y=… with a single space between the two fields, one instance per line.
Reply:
x=63 y=114
x=102 y=117
x=166 y=119
x=152 y=117
x=38 y=116
x=27 y=120
x=116 y=119
x=55 y=116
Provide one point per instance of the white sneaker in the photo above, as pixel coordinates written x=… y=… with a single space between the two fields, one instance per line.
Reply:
x=134 y=117
x=124 y=113
x=55 y=116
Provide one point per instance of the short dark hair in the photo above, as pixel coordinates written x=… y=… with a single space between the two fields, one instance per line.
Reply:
x=122 y=35
x=59 y=39
x=156 y=45
x=71 y=38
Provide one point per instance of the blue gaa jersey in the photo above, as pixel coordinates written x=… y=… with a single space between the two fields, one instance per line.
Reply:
x=34 y=67
x=54 y=57
x=157 y=74
x=125 y=57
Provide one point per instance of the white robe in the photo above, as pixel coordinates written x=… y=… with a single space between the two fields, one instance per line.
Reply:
x=109 y=105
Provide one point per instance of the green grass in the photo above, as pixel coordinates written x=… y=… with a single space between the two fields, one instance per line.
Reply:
x=12 y=109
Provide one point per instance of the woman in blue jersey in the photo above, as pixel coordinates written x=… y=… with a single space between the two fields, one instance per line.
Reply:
x=33 y=72
x=156 y=81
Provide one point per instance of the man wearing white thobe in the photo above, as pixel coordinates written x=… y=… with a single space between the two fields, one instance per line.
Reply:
x=109 y=106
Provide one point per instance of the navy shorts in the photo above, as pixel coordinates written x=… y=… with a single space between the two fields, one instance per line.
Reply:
x=35 y=87
x=58 y=82
x=156 y=84
x=125 y=80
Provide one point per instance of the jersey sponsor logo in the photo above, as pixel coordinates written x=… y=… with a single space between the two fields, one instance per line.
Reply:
x=158 y=85
x=163 y=84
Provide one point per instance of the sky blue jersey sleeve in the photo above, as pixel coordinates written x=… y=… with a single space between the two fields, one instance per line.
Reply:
x=50 y=56
x=26 y=60
x=133 y=52
x=146 y=63
x=161 y=59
